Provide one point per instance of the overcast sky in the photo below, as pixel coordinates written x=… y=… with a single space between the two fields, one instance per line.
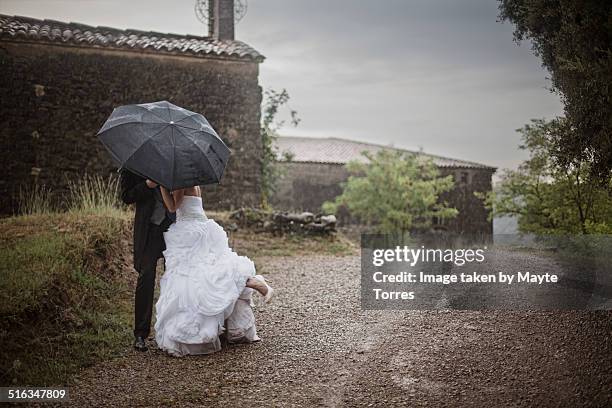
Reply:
x=442 y=75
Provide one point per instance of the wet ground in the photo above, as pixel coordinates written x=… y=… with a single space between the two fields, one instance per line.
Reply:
x=320 y=349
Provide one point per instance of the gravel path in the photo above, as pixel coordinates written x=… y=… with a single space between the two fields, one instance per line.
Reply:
x=320 y=349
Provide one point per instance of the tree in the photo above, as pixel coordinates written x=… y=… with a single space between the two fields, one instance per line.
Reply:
x=273 y=101
x=547 y=197
x=396 y=191
x=573 y=39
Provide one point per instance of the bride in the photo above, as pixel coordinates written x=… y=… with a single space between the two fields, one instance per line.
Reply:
x=206 y=285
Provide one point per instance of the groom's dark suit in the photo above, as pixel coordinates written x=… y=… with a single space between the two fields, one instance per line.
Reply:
x=150 y=222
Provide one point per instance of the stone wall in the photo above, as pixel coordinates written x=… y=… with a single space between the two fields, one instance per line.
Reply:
x=305 y=186
x=53 y=100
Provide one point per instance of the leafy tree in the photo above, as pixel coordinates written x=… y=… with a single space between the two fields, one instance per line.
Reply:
x=273 y=101
x=573 y=39
x=396 y=191
x=547 y=197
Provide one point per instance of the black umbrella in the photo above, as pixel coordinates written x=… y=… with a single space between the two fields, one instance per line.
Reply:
x=170 y=145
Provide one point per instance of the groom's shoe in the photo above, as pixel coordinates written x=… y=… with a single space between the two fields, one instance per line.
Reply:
x=140 y=344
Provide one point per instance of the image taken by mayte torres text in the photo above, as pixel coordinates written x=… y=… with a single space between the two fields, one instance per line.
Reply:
x=474 y=277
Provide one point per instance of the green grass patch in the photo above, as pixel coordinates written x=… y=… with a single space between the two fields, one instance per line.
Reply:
x=64 y=302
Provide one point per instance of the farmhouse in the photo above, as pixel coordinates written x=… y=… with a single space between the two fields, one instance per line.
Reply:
x=59 y=82
x=317 y=167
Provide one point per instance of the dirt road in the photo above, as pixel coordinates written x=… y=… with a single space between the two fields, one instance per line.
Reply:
x=320 y=349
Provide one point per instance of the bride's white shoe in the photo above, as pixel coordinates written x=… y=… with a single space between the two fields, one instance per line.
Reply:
x=269 y=292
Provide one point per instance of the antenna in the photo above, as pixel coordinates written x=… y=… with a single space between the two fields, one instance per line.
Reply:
x=202 y=10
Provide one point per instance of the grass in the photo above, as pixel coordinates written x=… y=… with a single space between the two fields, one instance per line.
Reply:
x=65 y=288
x=64 y=303
x=66 y=284
x=94 y=193
x=35 y=199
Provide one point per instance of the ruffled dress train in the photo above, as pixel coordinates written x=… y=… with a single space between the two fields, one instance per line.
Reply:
x=203 y=287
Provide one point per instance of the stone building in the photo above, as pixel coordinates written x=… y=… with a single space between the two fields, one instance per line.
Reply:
x=60 y=81
x=317 y=168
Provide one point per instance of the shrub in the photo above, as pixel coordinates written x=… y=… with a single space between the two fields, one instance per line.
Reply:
x=94 y=194
x=395 y=191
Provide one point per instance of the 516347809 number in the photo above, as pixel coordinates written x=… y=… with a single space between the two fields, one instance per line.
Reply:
x=15 y=394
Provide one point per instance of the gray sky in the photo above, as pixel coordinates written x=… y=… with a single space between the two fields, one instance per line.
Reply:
x=442 y=75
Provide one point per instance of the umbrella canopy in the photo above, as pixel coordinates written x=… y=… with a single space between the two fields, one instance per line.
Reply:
x=170 y=145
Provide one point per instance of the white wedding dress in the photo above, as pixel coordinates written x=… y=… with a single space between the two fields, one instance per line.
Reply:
x=203 y=287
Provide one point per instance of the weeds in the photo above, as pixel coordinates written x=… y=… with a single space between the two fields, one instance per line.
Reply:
x=88 y=194
x=64 y=300
x=65 y=284
x=34 y=200
x=94 y=194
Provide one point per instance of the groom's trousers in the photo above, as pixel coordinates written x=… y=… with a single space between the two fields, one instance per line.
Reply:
x=145 y=286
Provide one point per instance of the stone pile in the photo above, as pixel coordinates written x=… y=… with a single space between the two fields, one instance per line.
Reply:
x=305 y=223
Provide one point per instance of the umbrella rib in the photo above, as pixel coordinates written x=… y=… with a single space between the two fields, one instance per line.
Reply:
x=152 y=113
x=115 y=157
x=186 y=117
x=200 y=130
x=142 y=145
x=164 y=121
x=213 y=167
x=100 y=135
x=192 y=128
x=196 y=145
x=130 y=123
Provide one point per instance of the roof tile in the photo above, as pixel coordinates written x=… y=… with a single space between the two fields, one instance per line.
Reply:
x=340 y=151
x=21 y=28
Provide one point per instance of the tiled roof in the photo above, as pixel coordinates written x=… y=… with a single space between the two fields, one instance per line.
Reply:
x=340 y=151
x=27 y=29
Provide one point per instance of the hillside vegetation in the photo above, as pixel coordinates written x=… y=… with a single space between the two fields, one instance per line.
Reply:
x=63 y=299
x=66 y=281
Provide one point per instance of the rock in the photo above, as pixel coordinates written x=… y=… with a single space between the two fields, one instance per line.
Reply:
x=304 y=223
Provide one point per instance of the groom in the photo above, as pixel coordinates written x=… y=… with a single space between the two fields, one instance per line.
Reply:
x=150 y=222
